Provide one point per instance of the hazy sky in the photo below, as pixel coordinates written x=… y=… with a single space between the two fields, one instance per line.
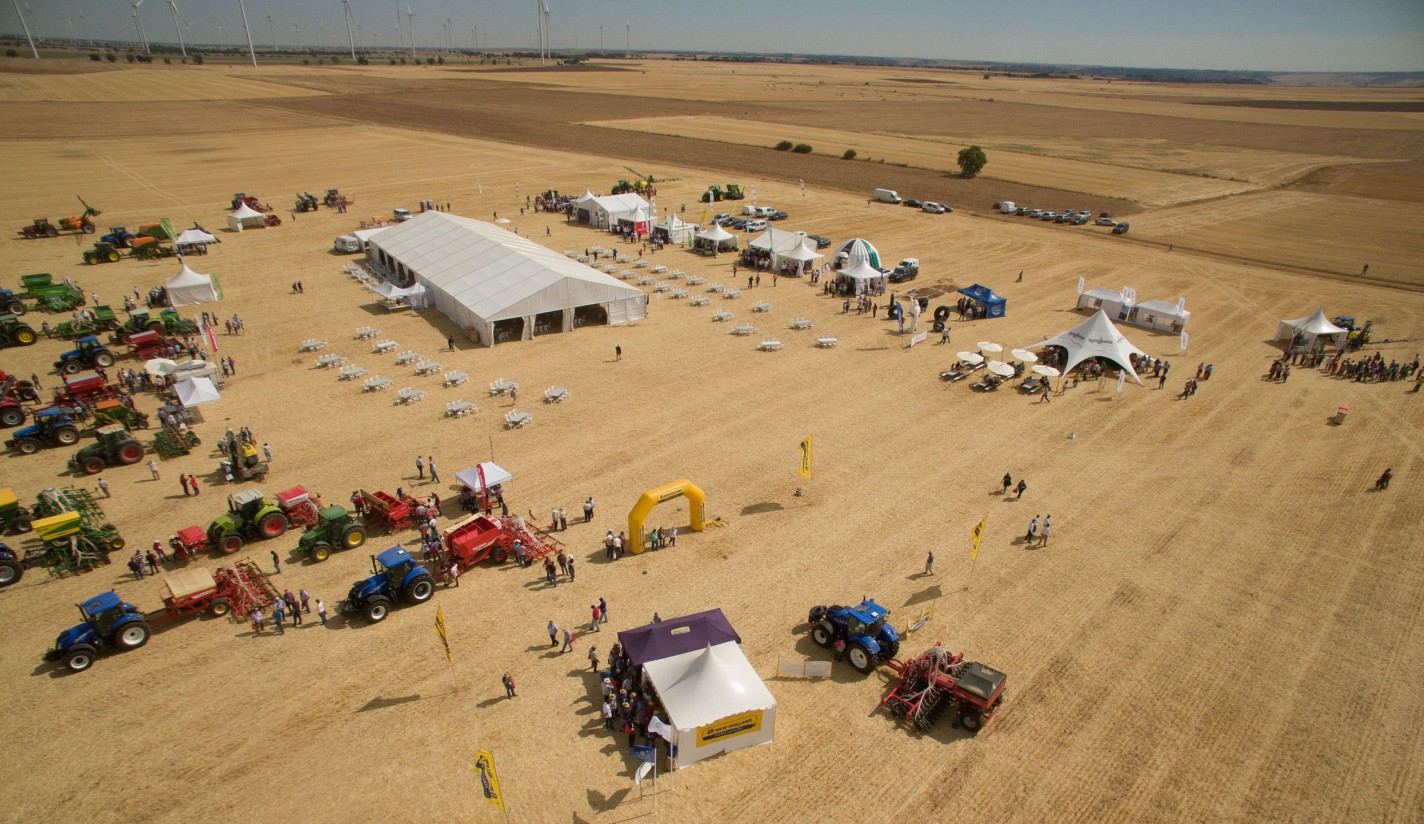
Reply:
x=1284 y=35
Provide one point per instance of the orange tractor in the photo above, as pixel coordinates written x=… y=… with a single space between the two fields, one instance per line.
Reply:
x=41 y=227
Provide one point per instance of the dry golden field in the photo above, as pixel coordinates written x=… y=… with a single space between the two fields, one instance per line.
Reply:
x=1221 y=629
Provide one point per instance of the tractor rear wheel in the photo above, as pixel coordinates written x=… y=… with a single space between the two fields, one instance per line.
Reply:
x=104 y=359
x=230 y=543
x=817 y=613
x=79 y=658
x=87 y=228
x=889 y=650
x=860 y=657
x=66 y=435
x=51 y=231
x=320 y=551
x=132 y=636
x=824 y=634
x=354 y=536
x=10 y=571
x=972 y=720
x=25 y=336
x=219 y=607
x=156 y=326
x=22 y=524
x=92 y=465
x=12 y=416
x=377 y=608
x=131 y=452
x=27 y=446
x=112 y=257
x=272 y=524
x=117 y=542
x=420 y=590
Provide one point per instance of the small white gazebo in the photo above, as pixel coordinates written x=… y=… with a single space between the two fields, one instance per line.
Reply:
x=717 y=238
x=245 y=217
x=799 y=255
x=1309 y=328
x=188 y=287
x=864 y=277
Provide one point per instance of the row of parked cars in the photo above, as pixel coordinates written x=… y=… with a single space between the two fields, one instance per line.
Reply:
x=929 y=206
x=749 y=222
x=1073 y=217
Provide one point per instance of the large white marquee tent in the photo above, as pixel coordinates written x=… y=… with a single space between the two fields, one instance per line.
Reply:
x=245 y=217
x=605 y=211
x=498 y=285
x=1095 y=337
x=188 y=287
x=1311 y=327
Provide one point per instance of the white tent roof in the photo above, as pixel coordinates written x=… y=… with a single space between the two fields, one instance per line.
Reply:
x=859 y=249
x=196 y=392
x=1095 y=337
x=188 y=287
x=862 y=270
x=196 y=236
x=1315 y=324
x=494 y=474
x=716 y=234
x=673 y=223
x=802 y=253
x=708 y=684
x=778 y=241
x=493 y=273
x=614 y=204
x=1105 y=294
x=386 y=289
x=1162 y=307
x=245 y=212
x=365 y=235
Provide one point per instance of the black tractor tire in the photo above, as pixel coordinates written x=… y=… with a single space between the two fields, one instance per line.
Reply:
x=132 y=636
x=860 y=658
x=156 y=326
x=124 y=241
x=816 y=614
x=889 y=650
x=823 y=633
x=15 y=308
x=117 y=542
x=91 y=258
x=87 y=228
x=12 y=416
x=272 y=525
x=27 y=446
x=941 y=313
x=11 y=571
x=939 y=326
x=420 y=590
x=22 y=524
x=25 y=336
x=377 y=608
x=113 y=257
x=27 y=392
x=230 y=543
x=320 y=551
x=219 y=607
x=51 y=231
x=71 y=367
x=354 y=536
x=92 y=465
x=66 y=436
x=971 y=720
x=79 y=657
x=104 y=359
x=130 y=452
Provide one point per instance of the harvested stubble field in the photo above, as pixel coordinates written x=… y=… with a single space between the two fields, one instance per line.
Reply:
x=1178 y=652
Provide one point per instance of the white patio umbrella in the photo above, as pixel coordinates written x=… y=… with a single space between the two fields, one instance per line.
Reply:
x=1001 y=369
x=986 y=346
x=971 y=357
x=1046 y=371
x=1024 y=355
x=160 y=366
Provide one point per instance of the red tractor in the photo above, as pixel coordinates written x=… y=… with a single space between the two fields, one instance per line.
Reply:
x=940 y=680
x=41 y=227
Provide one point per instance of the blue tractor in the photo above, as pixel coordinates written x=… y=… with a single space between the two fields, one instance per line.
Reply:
x=52 y=427
x=108 y=620
x=397 y=575
x=119 y=236
x=11 y=304
x=869 y=640
x=89 y=352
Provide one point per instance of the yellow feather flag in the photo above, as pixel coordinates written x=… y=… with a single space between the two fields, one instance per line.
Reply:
x=977 y=534
x=440 y=631
x=806 y=457
x=489 y=780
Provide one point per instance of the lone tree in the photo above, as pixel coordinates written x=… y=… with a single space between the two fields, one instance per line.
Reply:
x=972 y=161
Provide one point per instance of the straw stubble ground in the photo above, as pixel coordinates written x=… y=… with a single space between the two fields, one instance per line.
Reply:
x=1220 y=628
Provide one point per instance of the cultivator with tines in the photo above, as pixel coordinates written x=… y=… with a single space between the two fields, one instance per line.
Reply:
x=939 y=681
x=170 y=443
x=72 y=544
x=244 y=585
x=54 y=501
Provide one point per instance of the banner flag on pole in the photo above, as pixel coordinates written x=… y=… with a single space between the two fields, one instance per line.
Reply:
x=977 y=534
x=643 y=770
x=489 y=780
x=806 y=457
x=440 y=631
x=1121 y=379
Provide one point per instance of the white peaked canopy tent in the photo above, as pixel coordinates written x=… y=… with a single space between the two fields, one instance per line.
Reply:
x=196 y=392
x=715 y=701
x=802 y=254
x=783 y=246
x=480 y=275
x=244 y=218
x=863 y=275
x=1159 y=314
x=1311 y=327
x=1108 y=300
x=493 y=474
x=1095 y=337
x=415 y=294
x=605 y=212
x=188 y=288
x=676 y=230
x=717 y=236
x=194 y=235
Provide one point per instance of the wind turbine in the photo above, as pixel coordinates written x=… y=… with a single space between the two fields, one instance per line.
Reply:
x=177 y=28
x=346 y=4
x=272 y=26
x=298 y=28
x=548 y=39
x=628 y=41
x=251 y=50
x=221 y=41
x=137 y=23
x=26 y=27
x=399 y=39
x=410 y=29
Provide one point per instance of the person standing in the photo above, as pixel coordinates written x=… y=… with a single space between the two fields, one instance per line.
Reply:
x=618 y=352
x=183 y=479
x=434 y=474
x=291 y=602
x=1383 y=482
x=508 y=681
x=153 y=470
x=594 y=625
x=321 y=611
x=193 y=482
x=602 y=611
x=450 y=343
x=568 y=642
x=563 y=563
x=104 y=487
x=276 y=563
x=255 y=616
x=305 y=599
x=419 y=468
x=588 y=510
x=553 y=634
x=1032 y=530
x=152 y=559
x=278 y=615
x=672 y=537
x=1008 y=482
x=929 y=563
x=593 y=658
x=564 y=513
x=571 y=567
x=1043 y=536
x=267 y=452
x=1023 y=485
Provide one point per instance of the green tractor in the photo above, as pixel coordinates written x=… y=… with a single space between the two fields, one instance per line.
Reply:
x=713 y=194
x=167 y=322
x=115 y=447
x=103 y=252
x=622 y=187
x=96 y=320
x=250 y=516
x=336 y=530
x=733 y=192
x=307 y=202
x=15 y=332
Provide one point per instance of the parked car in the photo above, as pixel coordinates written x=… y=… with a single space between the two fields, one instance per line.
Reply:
x=1035 y=213
x=1078 y=220
x=776 y=215
x=933 y=208
x=1105 y=221
x=757 y=225
x=721 y=217
x=736 y=223
x=1120 y=229
x=913 y=204
x=1049 y=216
x=1023 y=210
x=821 y=241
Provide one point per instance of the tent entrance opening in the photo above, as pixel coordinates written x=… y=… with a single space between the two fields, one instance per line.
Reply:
x=508 y=330
x=549 y=322
x=594 y=315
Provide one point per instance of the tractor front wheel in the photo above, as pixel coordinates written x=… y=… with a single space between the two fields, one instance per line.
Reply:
x=354 y=536
x=219 y=607
x=27 y=446
x=823 y=634
x=92 y=465
x=15 y=308
x=860 y=657
x=272 y=525
x=320 y=552
x=66 y=435
x=71 y=367
x=131 y=453
x=80 y=658
x=10 y=571
x=133 y=636
x=377 y=608
x=91 y=258
x=231 y=542
x=420 y=590
x=117 y=542
x=87 y=228
x=817 y=613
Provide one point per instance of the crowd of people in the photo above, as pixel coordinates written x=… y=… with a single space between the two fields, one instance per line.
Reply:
x=1371 y=369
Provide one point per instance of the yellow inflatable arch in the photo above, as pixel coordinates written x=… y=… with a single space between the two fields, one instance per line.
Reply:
x=696 y=504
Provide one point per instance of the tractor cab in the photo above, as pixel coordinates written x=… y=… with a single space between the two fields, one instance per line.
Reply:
x=247 y=503
x=397 y=564
x=866 y=620
x=99 y=616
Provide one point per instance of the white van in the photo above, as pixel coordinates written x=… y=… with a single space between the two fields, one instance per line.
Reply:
x=758 y=211
x=1008 y=207
x=887 y=195
x=347 y=244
